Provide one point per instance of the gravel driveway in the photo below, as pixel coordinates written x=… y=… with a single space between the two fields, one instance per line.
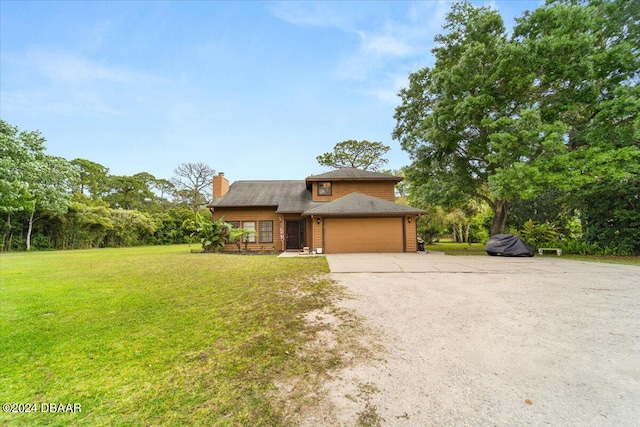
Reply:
x=491 y=341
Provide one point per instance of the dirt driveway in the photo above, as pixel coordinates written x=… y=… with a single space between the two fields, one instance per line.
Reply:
x=490 y=341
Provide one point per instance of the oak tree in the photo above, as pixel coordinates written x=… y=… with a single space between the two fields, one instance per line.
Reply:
x=500 y=118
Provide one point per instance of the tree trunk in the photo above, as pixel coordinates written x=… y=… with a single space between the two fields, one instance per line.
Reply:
x=467 y=230
x=33 y=212
x=500 y=210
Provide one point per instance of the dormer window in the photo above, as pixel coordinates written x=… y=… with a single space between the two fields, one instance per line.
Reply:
x=324 y=188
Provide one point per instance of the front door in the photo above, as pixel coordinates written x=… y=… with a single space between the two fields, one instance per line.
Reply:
x=293 y=235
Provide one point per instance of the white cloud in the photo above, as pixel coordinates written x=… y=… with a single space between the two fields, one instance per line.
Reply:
x=393 y=46
x=431 y=14
x=387 y=91
x=77 y=70
x=315 y=14
x=54 y=102
x=384 y=45
x=385 y=31
x=68 y=84
x=73 y=69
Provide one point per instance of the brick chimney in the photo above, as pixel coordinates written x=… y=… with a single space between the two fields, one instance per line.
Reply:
x=220 y=185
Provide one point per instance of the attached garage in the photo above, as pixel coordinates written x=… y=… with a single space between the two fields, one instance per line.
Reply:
x=361 y=235
x=359 y=223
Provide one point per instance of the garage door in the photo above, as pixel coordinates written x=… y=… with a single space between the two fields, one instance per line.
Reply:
x=344 y=235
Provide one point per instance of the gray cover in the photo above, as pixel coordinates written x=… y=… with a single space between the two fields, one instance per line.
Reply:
x=507 y=245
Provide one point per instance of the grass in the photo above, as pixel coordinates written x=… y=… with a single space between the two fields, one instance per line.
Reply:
x=451 y=248
x=609 y=259
x=155 y=335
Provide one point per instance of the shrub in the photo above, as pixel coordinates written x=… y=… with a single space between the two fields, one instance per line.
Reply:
x=612 y=216
x=584 y=247
x=579 y=247
x=213 y=234
x=539 y=234
x=130 y=228
x=41 y=242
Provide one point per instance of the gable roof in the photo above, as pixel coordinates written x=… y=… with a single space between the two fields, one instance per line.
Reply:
x=358 y=204
x=353 y=174
x=295 y=196
x=285 y=196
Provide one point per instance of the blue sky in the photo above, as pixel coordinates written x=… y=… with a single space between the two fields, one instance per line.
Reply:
x=254 y=89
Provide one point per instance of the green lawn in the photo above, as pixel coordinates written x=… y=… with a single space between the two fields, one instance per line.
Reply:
x=451 y=248
x=154 y=335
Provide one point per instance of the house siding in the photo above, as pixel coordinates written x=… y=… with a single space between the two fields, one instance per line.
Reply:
x=381 y=189
x=264 y=214
x=316 y=233
x=257 y=215
x=309 y=242
x=411 y=234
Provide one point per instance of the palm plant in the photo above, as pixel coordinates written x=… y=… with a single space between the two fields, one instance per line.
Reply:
x=213 y=234
x=239 y=235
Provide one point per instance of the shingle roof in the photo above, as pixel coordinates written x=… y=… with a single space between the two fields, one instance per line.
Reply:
x=295 y=197
x=353 y=174
x=286 y=196
x=357 y=204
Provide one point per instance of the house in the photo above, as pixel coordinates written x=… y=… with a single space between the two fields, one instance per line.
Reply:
x=346 y=210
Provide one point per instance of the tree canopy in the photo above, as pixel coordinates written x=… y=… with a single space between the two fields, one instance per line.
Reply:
x=502 y=117
x=20 y=153
x=47 y=202
x=364 y=155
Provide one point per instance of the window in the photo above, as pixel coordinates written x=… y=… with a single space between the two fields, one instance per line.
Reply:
x=266 y=232
x=324 y=189
x=250 y=225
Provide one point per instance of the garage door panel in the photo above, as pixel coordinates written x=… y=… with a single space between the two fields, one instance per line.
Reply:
x=363 y=235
